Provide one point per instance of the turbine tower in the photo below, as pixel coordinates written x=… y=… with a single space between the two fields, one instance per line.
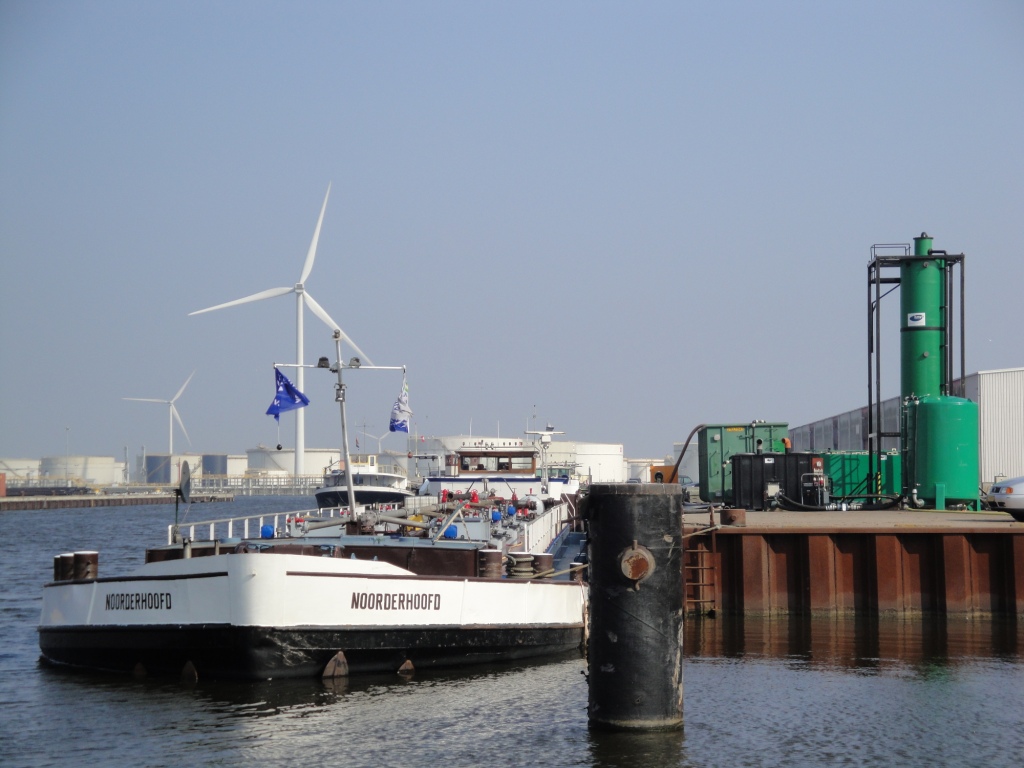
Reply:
x=302 y=299
x=172 y=415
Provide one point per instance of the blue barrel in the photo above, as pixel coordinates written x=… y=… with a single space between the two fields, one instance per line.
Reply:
x=451 y=532
x=267 y=532
x=495 y=515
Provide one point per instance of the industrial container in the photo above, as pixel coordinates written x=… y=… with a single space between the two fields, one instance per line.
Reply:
x=849 y=473
x=891 y=469
x=718 y=443
x=942 y=451
x=757 y=478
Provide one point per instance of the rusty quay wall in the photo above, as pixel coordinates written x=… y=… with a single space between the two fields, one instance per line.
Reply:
x=945 y=563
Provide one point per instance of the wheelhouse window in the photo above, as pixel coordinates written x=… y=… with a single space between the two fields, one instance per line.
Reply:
x=522 y=463
x=512 y=463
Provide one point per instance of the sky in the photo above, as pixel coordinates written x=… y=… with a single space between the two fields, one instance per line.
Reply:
x=622 y=219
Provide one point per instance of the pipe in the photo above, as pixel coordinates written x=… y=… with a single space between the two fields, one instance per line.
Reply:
x=675 y=469
x=795 y=506
x=402 y=521
x=700 y=532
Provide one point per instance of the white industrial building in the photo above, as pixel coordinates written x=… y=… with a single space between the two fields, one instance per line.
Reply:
x=19 y=471
x=64 y=470
x=591 y=462
x=270 y=461
x=1000 y=398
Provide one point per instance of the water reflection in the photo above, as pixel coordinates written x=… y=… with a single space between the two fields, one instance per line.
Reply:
x=262 y=698
x=861 y=642
x=757 y=692
x=609 y=749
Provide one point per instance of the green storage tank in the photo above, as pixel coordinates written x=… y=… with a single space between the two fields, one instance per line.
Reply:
x=922 y=321
x=718 y=443
x=942 y=451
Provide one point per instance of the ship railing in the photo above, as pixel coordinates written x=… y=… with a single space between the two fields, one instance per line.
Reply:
x=244 y=527
x=544 y=529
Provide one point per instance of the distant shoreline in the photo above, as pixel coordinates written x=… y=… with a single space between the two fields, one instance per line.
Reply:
x=103 y=500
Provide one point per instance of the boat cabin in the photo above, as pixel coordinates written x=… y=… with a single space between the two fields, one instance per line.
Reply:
x=514 y=463
x=484 y=459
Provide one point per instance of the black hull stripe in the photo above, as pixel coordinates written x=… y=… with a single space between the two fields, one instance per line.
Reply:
x=256 y=653
x=115 y=579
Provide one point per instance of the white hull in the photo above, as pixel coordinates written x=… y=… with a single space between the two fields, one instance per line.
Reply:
x=260 y=615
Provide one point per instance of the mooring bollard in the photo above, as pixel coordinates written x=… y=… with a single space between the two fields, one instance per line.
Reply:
x=635 y=652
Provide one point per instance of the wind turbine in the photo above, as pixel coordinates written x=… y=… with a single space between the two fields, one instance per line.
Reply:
x=302 y=298
x=172 y=416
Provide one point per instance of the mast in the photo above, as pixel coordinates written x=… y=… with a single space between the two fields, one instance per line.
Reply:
x=339 y=396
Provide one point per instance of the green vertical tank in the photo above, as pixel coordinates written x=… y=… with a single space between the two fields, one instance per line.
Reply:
x=922 y=322
x=942 y=451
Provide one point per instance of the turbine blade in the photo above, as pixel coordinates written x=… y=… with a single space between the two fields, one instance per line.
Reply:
x=183 y=386
x=268 y=294
x=322 y=314
x=177 y=418
x=146 y=400
x=307 y=267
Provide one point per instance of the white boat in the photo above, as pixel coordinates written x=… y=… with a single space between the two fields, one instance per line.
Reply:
x=374 y=481
x=445 y=580
x=304 y=605
x=331 y=591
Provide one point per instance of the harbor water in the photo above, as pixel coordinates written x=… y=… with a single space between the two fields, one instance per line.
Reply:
x=789 y=692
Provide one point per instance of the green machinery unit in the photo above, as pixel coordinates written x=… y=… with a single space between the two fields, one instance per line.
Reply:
x=938 y=430
x=851 y=476
x=718 y=443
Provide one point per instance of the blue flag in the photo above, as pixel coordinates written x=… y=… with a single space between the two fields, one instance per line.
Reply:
x=288 y=398
x=400 y=412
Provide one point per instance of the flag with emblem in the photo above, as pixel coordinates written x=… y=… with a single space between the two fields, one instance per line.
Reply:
x=287 y=398
x=400 y=412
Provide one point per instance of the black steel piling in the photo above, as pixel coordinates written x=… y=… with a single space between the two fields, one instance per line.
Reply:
x=635 y=653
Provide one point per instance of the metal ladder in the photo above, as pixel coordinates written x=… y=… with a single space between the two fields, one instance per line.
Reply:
x=699 y=573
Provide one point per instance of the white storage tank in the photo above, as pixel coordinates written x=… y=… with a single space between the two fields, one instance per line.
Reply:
x=81 y=470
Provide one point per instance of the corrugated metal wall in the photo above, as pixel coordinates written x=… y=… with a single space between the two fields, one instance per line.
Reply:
x=1000 y=399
